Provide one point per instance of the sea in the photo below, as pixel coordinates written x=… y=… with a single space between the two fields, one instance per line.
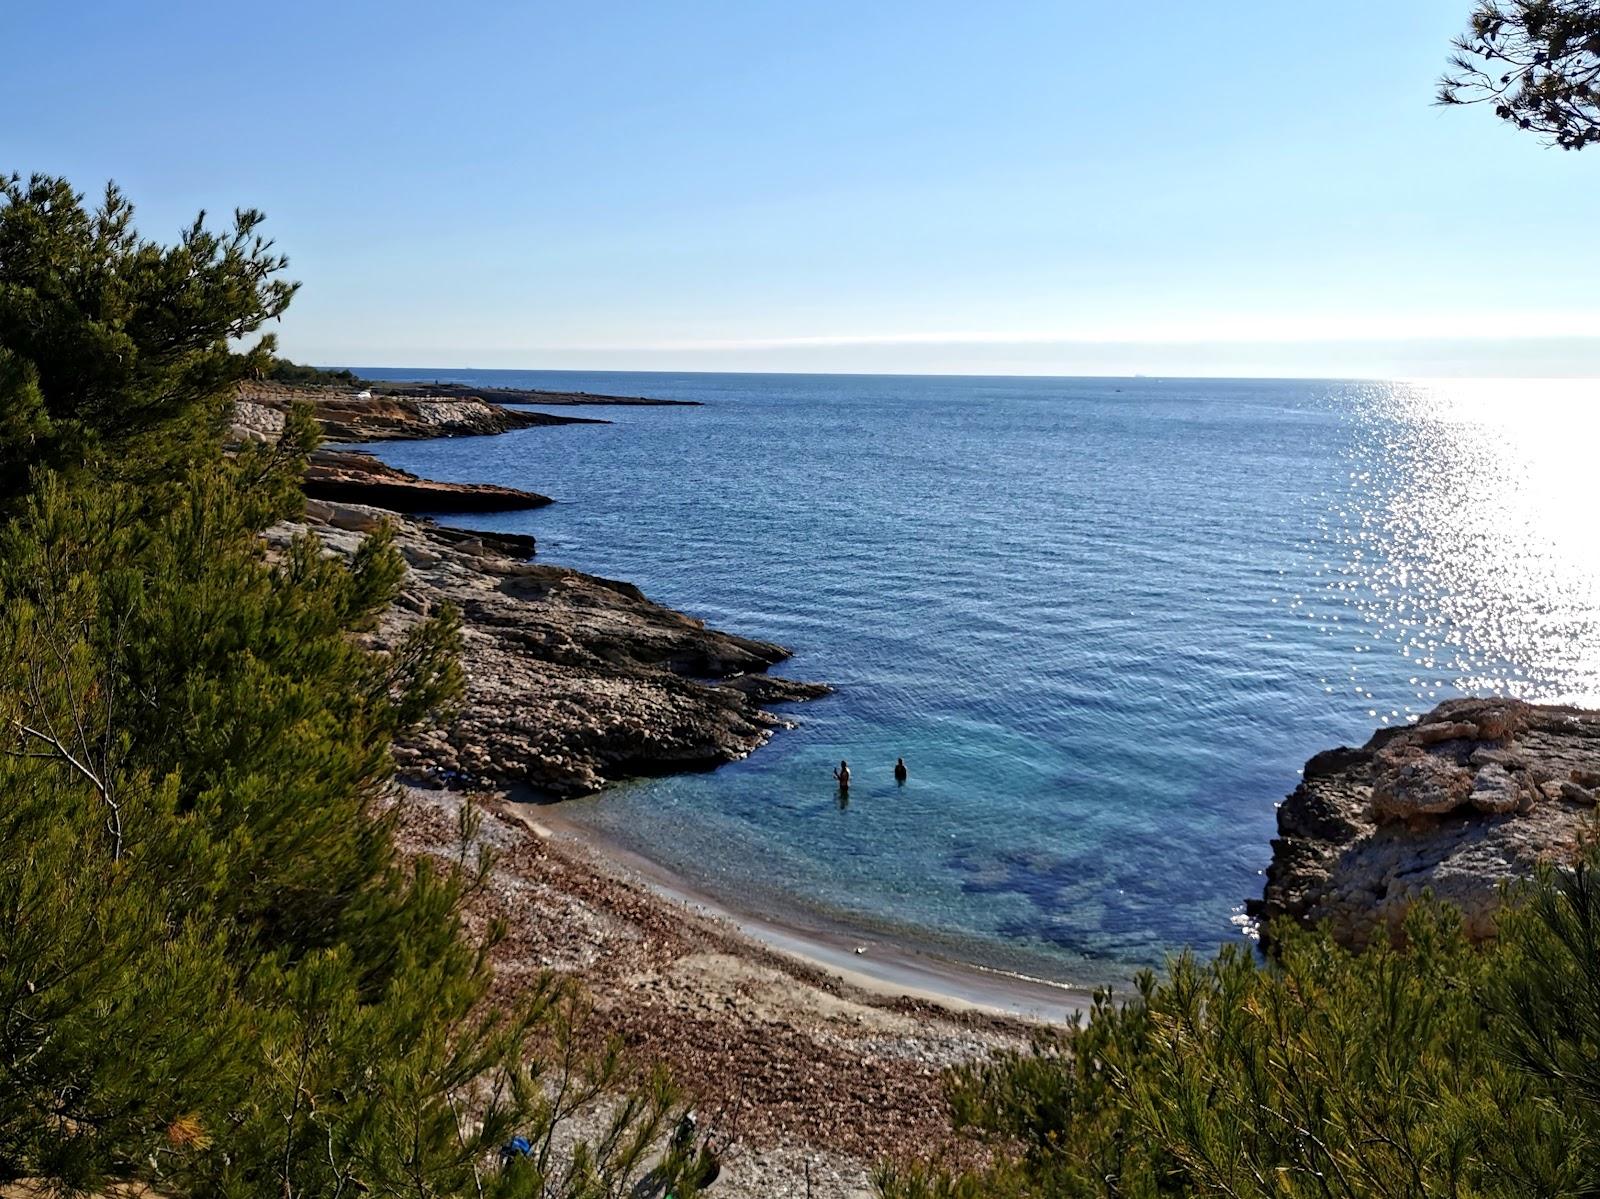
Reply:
x=1103 y=621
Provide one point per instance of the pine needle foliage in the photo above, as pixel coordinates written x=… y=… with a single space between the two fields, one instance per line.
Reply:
x=1536 y=63
x=1437 y=1069
x=123 y=347
x=217 y=975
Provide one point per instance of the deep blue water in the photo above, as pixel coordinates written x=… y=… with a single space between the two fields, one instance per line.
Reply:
x=1104 y=621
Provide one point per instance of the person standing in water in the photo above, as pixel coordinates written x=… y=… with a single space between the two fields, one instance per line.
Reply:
x=900 y=771
x=842 y=773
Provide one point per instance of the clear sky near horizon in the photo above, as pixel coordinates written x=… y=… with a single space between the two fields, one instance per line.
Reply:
x=1025 y=187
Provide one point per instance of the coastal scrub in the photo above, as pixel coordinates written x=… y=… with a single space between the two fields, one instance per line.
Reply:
x=217 y=975
x=1431 y=1069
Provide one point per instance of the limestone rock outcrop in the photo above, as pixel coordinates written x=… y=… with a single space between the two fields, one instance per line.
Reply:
x=573 y=681
x=349 y=476
x=522 y=395
x=350 y=416
x=1478 y=792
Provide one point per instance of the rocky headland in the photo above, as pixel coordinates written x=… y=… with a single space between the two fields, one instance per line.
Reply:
x=573 y=681
x=363 y=416
x=350 y=476
x=521 y=395
x=1475 y=794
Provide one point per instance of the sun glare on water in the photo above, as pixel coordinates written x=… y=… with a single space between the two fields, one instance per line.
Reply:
x=1469 y=535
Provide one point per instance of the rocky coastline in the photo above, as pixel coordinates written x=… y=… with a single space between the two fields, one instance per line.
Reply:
x=573 y=682
x=347 y=416
x=522 y=395
x=1476 y=794
x=350 y=476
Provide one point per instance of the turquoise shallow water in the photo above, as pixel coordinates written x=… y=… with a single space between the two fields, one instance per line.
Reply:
x=1104 y=621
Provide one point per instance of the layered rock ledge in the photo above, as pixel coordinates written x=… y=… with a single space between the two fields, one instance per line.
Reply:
x=522 y=395
x=349 y=476
x=1477 y=793
x=347 y=416
x=573 y=681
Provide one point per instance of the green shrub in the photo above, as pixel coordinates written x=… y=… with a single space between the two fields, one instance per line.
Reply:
x=293 y=373
x=1437 y=1069
x=217 y=975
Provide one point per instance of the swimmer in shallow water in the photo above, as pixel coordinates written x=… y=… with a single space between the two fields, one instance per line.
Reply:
x=842 y=773
x=900 y=770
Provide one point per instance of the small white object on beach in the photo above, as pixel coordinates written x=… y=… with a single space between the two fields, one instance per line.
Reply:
x=861 y=949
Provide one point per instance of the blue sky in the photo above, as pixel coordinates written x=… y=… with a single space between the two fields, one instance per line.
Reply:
x=1030 y=187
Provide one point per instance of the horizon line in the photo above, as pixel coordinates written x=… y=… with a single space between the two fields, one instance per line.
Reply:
x=917 y=374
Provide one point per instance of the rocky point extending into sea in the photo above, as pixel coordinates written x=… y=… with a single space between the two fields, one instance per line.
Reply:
x=572 y=681
x=1476 y=794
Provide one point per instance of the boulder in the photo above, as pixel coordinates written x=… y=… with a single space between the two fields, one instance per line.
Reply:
x=1500 y=722
x=1495 y=790
x=1409 y=782
x=1445 y=730
x=1578 y=794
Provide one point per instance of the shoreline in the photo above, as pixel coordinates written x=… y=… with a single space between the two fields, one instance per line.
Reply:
x=573 y=681
x=826 y=1044
x=888 y=969
x=808 y=1060
x=895 y=961
x=805 y=1067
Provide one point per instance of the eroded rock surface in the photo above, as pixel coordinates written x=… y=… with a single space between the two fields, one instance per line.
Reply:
x=348 y=416
x=1478 y=792
x=349 y=476
x=522 y=395
x=573 y=681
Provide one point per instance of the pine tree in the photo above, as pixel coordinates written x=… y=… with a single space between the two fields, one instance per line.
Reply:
x=216 y=973
x=129 y=344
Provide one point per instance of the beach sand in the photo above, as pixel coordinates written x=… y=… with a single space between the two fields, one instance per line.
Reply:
x=813 y=1058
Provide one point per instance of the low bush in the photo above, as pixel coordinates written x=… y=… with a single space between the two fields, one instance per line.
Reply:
x=1433 y=1069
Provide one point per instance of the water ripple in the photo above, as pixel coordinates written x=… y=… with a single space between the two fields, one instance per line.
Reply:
x=1104 y=621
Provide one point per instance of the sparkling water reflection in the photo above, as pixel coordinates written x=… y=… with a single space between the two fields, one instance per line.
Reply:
x=1465 y=538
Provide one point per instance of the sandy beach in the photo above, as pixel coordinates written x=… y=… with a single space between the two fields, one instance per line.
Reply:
x=816 y=1060
x=867 y=962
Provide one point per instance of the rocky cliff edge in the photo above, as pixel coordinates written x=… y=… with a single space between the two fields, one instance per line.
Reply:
x=1478 y=792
